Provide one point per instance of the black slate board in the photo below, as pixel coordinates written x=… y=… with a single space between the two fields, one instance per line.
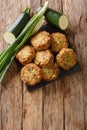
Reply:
x=74 y=69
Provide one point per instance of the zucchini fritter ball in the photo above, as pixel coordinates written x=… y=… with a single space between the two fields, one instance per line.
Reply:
x=66 y=58
x=41 y=41
x=59 y=41
x=50 y=72
x=44 y=58
x=31 y=74
x=26 y=54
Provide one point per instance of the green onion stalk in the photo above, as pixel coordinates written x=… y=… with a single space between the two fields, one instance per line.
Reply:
x=8 y=55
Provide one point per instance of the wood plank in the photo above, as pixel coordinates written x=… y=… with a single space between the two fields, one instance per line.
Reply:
x=1 y=48
x=11 y=91
x=32 y=102
x=56 y=4
x=11 y=102
x=0 y=106
x=53 y=94
x=73 y=103
x=53 y=107
x=63 y=104
x=2 y=19
x=32 y=109
x=76 y=85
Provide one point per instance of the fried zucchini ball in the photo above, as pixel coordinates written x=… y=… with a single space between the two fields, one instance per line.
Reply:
x=31 y=74
x=26 y=54
x=44 y=58
x=50 y=72
x=59 y=41
x=41 y=41
x=66 y=58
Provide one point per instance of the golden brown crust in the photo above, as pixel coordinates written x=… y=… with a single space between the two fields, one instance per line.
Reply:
x=26 y=54
x=66 y=58
x=31 y=74
x=43 y=58
x=41 y=41
x=50 y=72
x=59 y=41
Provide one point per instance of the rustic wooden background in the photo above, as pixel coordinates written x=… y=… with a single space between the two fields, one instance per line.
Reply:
x=63 y=104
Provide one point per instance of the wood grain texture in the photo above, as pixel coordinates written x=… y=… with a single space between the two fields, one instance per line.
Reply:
x=59 y=106
x=11 y=103
x=53 y=94
x=11 y=88
x=53 y=107
x=75 y=86
x=0 y=106
x=32 y=110
x=73 y=103
x=32 y=102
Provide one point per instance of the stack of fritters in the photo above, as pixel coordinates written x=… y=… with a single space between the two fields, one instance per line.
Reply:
x=44 y=56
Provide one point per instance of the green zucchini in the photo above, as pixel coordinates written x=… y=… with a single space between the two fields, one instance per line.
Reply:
x=31 y=28
x=57 y=19
x=17 y=26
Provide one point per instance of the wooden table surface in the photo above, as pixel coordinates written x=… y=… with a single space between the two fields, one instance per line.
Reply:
x=63 y=104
